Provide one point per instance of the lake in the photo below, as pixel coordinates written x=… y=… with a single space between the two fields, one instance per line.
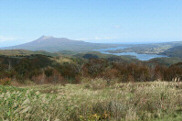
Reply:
x=143 y=57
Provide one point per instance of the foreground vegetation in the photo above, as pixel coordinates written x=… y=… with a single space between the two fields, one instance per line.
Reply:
x=93 y=100
x=89 y=87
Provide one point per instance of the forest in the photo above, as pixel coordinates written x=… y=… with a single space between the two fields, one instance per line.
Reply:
x=42 y=69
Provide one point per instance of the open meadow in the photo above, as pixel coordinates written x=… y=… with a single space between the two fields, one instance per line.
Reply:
x=93 y=100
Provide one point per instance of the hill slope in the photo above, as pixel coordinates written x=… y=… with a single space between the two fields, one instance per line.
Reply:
x=17 y=52
x=174 y=52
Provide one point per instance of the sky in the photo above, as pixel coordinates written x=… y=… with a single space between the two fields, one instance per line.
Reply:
x=106 y=21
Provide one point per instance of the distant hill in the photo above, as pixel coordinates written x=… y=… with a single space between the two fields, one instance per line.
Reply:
x=174 y=52
x=26 y=53
x=52 y=44
x=152 y=48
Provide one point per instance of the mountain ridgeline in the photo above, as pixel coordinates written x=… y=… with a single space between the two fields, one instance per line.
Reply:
x=52 y=44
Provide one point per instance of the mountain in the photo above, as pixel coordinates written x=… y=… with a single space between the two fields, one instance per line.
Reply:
x=52 y=44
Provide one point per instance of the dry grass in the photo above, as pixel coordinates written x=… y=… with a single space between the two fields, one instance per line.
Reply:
x=120 y=102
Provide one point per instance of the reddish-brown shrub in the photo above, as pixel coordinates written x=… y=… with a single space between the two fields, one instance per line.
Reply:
x=55 y=77
x=5 y=81
x=110 y=73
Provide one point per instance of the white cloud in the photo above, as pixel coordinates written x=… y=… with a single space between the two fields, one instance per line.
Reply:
x=8 y=41
x=97 y=38
x=3 y=38
x=117 y=26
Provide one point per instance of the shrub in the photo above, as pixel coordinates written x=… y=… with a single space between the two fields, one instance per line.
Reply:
x=95 y=67
x=49 y=72
x=68 y=70
x=50 y=76
x=5 y=81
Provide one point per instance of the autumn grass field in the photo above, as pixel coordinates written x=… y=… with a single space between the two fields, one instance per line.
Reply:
x=93 y=100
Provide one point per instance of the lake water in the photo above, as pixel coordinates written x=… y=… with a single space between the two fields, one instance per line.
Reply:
x=143 y=57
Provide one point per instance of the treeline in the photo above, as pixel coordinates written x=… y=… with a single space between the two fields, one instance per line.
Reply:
x=43 y=69
x=138 y=72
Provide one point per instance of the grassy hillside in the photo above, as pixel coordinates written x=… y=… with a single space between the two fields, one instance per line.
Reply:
x=93 y=101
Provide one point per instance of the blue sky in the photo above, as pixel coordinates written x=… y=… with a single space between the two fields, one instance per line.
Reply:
x=91 y=20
